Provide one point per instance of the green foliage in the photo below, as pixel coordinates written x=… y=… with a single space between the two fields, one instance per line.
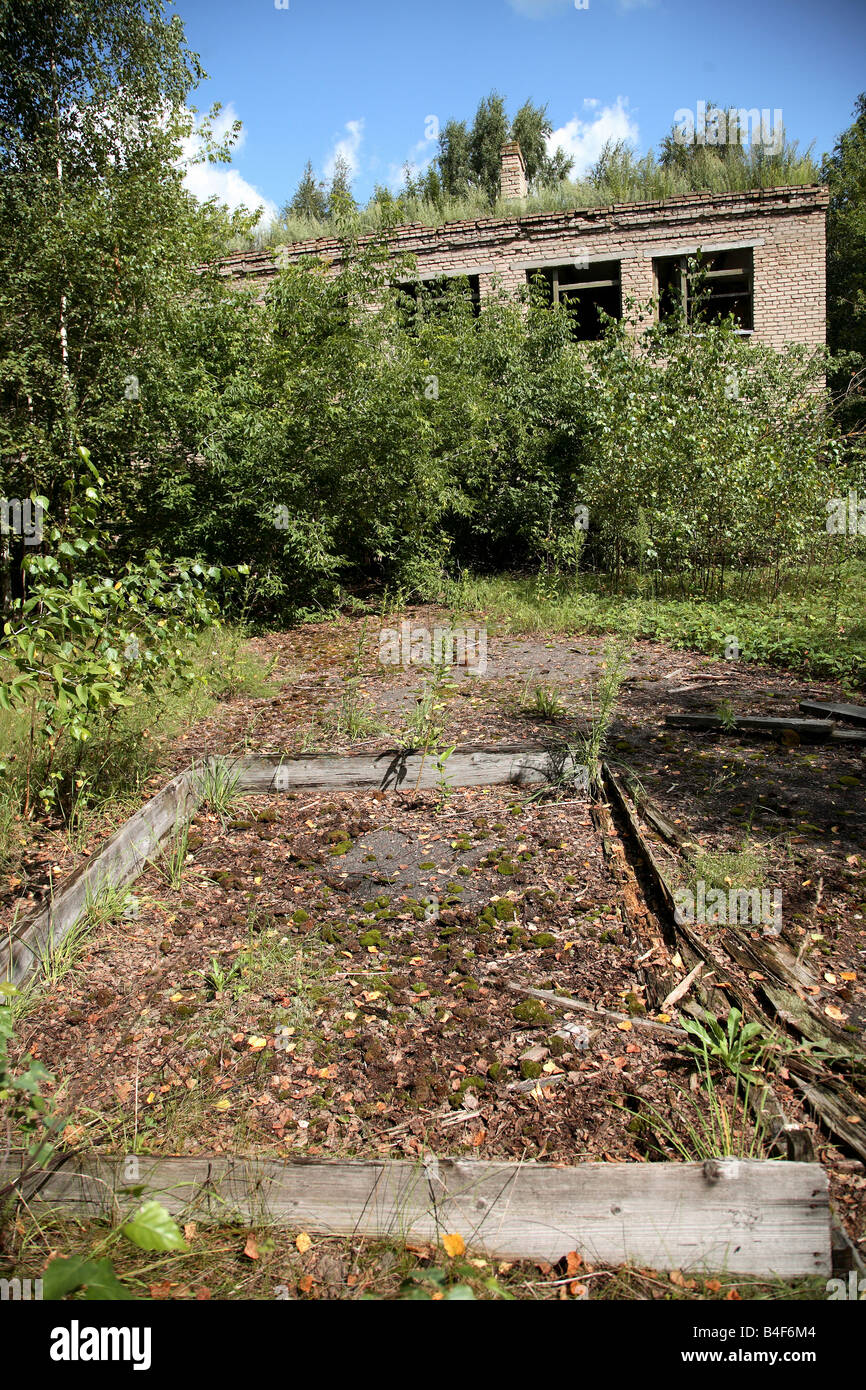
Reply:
x=216 y=786
x=85 y=635
x=150 y=1228
x=709 y=1125
x=103 y=306
x=735 y=1045
x=30 y=1117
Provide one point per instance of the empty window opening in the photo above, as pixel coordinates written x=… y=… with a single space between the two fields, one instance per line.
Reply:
x=588 y=292
x=706 y=287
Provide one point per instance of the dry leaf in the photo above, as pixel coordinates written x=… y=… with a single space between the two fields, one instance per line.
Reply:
x=454 y=1245
x=251 y=1249
x=303 y=1242
x=306 y=1283
x=573 y=1262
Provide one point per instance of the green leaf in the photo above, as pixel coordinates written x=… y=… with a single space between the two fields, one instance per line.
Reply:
x=153 y=1229
x=96 y=1277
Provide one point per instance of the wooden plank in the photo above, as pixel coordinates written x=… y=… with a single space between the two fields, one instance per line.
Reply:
x=842 y=1113
x=562 y=1001
x=744 y=1217
x=829 y=709
x=806 y=730
x=120 y=861
x=398 y=770
x=854 y=736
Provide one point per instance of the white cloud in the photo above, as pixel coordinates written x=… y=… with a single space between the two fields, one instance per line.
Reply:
x=585 y=139
x=348 y=146
x=220 y=181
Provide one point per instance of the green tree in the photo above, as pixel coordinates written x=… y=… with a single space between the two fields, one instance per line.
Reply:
x=310 y=198
x=531 y=128
x=489 y=133
x=455 y=169
x=845 y=172
x=340 y=197
x=101 y=299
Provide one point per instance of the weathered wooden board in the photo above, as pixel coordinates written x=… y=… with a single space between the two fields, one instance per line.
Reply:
x=120 y=861
x=763 y=1218
x=828 y=709
x=856 y=737
x=806 y=730
x=398 y=770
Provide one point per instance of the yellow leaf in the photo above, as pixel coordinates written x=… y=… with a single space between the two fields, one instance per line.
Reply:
x=257 y=1043
x=663 y=1018
x=454 y=1245
x=151 y=1098
x=176 y=998
x=625 y=1026
x=832 y=1012
x=223 y=1105
x=303 y=1242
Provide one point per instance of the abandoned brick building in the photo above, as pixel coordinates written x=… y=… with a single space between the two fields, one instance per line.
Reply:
x=762 y=255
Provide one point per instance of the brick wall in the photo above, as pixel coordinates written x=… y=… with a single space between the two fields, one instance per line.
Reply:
x=785 y=227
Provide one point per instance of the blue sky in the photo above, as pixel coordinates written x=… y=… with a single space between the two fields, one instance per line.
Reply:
x=365 y=77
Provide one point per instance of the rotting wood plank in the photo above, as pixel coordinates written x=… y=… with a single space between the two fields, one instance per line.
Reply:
x=119 y=861
x=561 y=1001
x=855 y=737
x=744 y=1217
x=782 y=1134
x=806 y=730
x=398 y=769
x=829 y=709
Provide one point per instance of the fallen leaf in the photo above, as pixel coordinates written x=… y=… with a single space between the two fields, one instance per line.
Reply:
x=251 y=1249
x=303 y=1242
x=573 y=1262
x=454 y=1245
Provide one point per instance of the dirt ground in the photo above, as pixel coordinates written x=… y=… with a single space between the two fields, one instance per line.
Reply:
x=333 y=973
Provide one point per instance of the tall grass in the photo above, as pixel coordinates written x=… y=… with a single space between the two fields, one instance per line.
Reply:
x=622 y=177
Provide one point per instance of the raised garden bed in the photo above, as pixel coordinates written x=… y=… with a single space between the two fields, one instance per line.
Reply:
x=375 y=974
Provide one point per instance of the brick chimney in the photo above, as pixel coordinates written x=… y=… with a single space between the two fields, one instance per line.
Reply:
x=512 y=182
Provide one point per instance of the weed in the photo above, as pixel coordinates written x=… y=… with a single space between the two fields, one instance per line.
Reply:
x=737 y=1045
x=215 y=784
